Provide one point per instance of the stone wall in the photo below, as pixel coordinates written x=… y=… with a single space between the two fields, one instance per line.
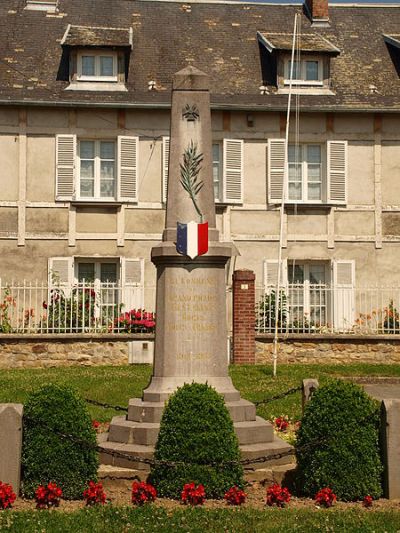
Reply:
x=49 y=351
x=322 y=349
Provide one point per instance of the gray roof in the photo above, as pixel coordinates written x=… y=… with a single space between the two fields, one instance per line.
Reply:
x=218 y=38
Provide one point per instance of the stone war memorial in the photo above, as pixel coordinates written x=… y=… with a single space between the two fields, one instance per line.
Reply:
x=191 y=329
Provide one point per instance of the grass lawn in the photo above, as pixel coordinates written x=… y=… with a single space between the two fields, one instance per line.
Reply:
x=151 y=519
x=115 y=385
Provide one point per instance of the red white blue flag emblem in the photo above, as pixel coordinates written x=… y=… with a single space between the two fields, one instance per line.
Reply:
x=192 y=239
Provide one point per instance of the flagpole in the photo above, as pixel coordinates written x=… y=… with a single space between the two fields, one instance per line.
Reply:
x=282 y=212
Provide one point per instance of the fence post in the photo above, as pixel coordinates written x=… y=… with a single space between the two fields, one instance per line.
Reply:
x=244 y=317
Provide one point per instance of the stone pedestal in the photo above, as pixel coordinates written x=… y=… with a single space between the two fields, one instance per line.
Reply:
x=11 y=444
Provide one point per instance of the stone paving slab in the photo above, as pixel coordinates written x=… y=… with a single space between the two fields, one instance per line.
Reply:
x=383 y=391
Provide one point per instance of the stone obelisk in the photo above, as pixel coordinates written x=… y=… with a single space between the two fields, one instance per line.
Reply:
x=191 y=331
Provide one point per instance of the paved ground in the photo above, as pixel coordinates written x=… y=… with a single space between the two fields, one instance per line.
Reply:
x=382 y=391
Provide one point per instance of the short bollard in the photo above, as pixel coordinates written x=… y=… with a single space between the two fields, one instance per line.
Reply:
x=11 y=443
x=308 y=389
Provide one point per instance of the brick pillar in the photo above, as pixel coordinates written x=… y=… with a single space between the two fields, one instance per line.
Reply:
x=244 y=317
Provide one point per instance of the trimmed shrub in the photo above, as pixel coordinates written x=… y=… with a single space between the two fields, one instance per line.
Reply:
x=196 y=429
x=338 y=443
x=58 y=442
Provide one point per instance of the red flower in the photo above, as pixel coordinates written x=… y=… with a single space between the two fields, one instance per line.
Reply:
x=44 y=305
x=367 y=501
x=325 y=497
x=281 y=423
x=48 y=496
x=143 y=492
x=235 y=496
x=277 y=495
x=95 y=424
x=7 y=496
x=94 y=494
x=192 y=494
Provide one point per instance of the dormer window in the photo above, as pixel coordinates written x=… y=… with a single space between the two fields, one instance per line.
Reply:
x=97 y=66
x=97 y=57
x=305 y=72
x=311 y=69
x=42 y=5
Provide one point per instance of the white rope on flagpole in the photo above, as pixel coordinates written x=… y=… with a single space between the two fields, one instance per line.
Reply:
x=282 y=213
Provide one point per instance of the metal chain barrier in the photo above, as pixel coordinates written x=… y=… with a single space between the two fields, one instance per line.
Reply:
x=278 y=396
x=106 y=405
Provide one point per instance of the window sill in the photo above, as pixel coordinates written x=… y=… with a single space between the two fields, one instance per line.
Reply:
x=103 y=203
x=309 y=205
x=314 y=90
x=101 y=86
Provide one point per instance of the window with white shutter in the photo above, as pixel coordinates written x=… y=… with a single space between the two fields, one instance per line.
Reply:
x=65 y=167
x=343 y=294
x=233 y=171
x=165 y=163
x=276 y=170
x=132 y=280
x=61 y=273
x=270 y=274
x=337 y=172
x=128 y=156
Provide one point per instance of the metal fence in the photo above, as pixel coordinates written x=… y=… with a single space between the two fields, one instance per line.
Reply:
x=307 y=308
x=34 y=307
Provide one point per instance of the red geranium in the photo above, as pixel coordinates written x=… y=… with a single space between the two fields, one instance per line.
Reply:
x=143 y=492
x=277 y=495
x=281 y=423
x=192 y=494
x=7 y=495
x=367 y=501
x=95 y=424
x=235 y=496
x=48 y=496
x=325 y=497
x=94 y=494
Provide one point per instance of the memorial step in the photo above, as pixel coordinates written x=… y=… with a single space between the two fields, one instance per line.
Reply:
x=131 y=432
x=278 y=451
x=254 y=431
x=111 y=450
x=141 y=411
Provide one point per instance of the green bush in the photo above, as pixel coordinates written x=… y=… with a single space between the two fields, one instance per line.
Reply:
x=196 y=429
x=338 y=443
x=47 y=455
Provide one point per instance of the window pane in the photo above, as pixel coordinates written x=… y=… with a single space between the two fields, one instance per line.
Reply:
x=312 y=71
x=87 y=188
x=317 y=274
x=295 y=173
x=216 y=154
x=108 y=272
x=314 y=173
x=296 y=70
x=106 y=66
x=87 y=169
x=314 y=191
x=86 y=271
x=107 y=188
x=88 y=65
x=314 y=153
x=107 y=169
x=296 y=273
x=86 y=149
x=294 y=191
x=107 y=150
x=294 y=153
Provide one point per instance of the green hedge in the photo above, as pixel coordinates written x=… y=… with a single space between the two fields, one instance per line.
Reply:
x=70 y=461
x=338 y=443
x=196 y=429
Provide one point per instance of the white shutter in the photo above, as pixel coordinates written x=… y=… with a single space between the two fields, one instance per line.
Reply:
x=61 y=273
x=343 y=295
x=271 y=274
x=165 y=162
x=276 y=170
x=132 y=281
x=233 y=171
x=65 y=166
x=337 y=172
x=128 y=155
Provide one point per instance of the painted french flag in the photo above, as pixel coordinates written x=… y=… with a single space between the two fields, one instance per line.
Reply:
x=192 y=239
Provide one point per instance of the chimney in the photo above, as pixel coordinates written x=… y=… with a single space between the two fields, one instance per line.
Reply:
x=317 y=11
